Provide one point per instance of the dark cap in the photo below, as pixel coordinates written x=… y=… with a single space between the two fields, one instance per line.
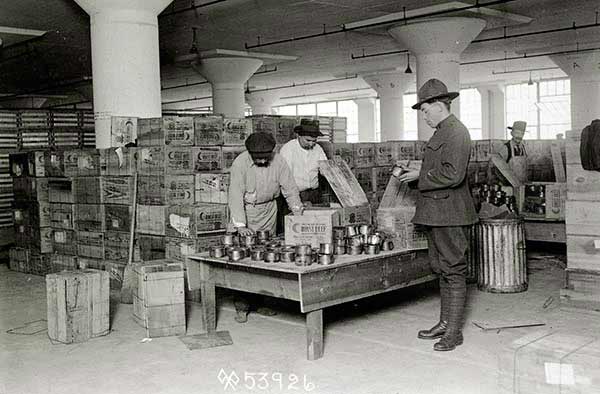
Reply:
x=434 y=89
x=308 y=127
x=260 y=142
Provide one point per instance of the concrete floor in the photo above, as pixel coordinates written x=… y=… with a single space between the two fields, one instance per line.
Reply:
x=370 y=346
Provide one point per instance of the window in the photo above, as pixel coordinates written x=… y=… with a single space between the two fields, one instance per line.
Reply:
x=307 y=109
x=377 y=121
x=349 y=110
x=287 y=110
x=327 y=109
x=410 y=117
x=470 y=112
x=544 y=105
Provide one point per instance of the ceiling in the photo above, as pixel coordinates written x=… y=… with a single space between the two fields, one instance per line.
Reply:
x=55 y=69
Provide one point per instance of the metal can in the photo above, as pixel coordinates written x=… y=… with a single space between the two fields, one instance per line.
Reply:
x=354 y=250
x=303 y=249
x=387 y=245
x=229 y=239
x=263 y=235
x=217 y=251
x=257 y=254
x=287 y=256
x=303 y=260
x=271 y=256
x=371 y=249
x=236 y=254
x=326 y=259
x=326 y=248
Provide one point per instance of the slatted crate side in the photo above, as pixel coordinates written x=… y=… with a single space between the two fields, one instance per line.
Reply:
x=88 y=138
x=8 y=120
x=32 y=138
x=90 y=244
x=6 y=192
x=35 y=119
x=65 y=119
x=8 y=139
x=86 y=120
x=65 y=137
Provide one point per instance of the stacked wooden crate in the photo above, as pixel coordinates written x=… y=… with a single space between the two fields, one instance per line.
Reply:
x=583 y=230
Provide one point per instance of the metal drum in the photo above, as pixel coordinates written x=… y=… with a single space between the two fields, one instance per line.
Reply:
x=501 y=256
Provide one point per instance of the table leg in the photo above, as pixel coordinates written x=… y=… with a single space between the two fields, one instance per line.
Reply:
x=209 y=304
x=314 y=334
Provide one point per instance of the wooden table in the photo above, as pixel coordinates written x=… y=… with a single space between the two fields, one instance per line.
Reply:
x=547 y=230
x=315 y=287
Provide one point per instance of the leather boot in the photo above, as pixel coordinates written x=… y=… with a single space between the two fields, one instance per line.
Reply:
x=439 y=329
x=456 y=308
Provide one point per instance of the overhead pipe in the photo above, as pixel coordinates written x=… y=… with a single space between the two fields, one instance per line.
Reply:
x=525 y=56
x=345 y=29
x=524 y=70
x=324 y=93
x=294 y=85
x=573 y=27
x=190 y=8
x=184 y=100
x=63 y=84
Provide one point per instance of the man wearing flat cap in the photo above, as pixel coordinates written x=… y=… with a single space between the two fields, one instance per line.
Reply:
x=515 y=154
x=257 y=177
x=445 y=207
x=302 y=155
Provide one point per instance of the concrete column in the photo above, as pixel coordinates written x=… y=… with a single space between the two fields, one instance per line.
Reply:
x=227 y=76
x=390 y=87
x=492 y=111
x=125 y=60
x=437 y=44
x=585 y=86
x=366 y=119
x=262 y=102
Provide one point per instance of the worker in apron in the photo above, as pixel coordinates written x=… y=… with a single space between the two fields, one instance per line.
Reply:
x=257 y=177
x=515 y=154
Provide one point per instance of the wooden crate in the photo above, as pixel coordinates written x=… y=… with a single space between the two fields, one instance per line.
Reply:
x=207 y=158
x=179 y=160
x=82 y=162
x=116 y=246
x=118 y=217
x=180 y=221
x=60 y=191
x=61 y=216
x=149 y=247
x=118 y=161
x=86 y=190
x=89 y=217
x=352 y=215
x=380 y=178
x=583 y=251
x=54 y=164
x=364 y=176
x=116 y=190
x=210 y=218
x=364 y=155
x=78 y=305
x=62 y=262
x=37 y=164
x=314 y=226
x=150 y=160
x=401 y=150
x=18 y=164
x=159 y=299
x=166 y=190
x=115 y=269
x=553 y=200
x=123 y=130
x=18 y=259
x=151 y=219
x=90 y=244
x=345 y=152
x=150 y=132
x=211 y=188
x=582 y=185
x=343 y=182
x=582 y=217
x=64 y=242
x=236 y=130
x=208 y=130
x=177 y=131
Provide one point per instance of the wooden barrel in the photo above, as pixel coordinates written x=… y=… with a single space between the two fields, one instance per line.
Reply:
x=501 y=256
x=471 y=256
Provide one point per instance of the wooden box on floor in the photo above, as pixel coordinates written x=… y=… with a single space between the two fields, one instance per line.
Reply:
x=159 y=299
x=78 y=305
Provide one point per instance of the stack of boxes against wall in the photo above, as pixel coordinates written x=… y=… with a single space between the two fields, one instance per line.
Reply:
x=583 y=230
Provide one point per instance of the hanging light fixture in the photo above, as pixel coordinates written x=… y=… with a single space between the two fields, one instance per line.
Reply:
x=530 y=82
x=193 y=48
x=408 y=70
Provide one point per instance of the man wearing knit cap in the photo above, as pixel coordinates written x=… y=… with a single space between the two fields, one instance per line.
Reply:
x=445 y=207
x=258 y=176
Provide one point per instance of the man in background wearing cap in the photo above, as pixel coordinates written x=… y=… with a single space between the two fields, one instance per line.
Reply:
x=515 y=154
x=445 y=207
x=257 y=177
x=302 y=155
